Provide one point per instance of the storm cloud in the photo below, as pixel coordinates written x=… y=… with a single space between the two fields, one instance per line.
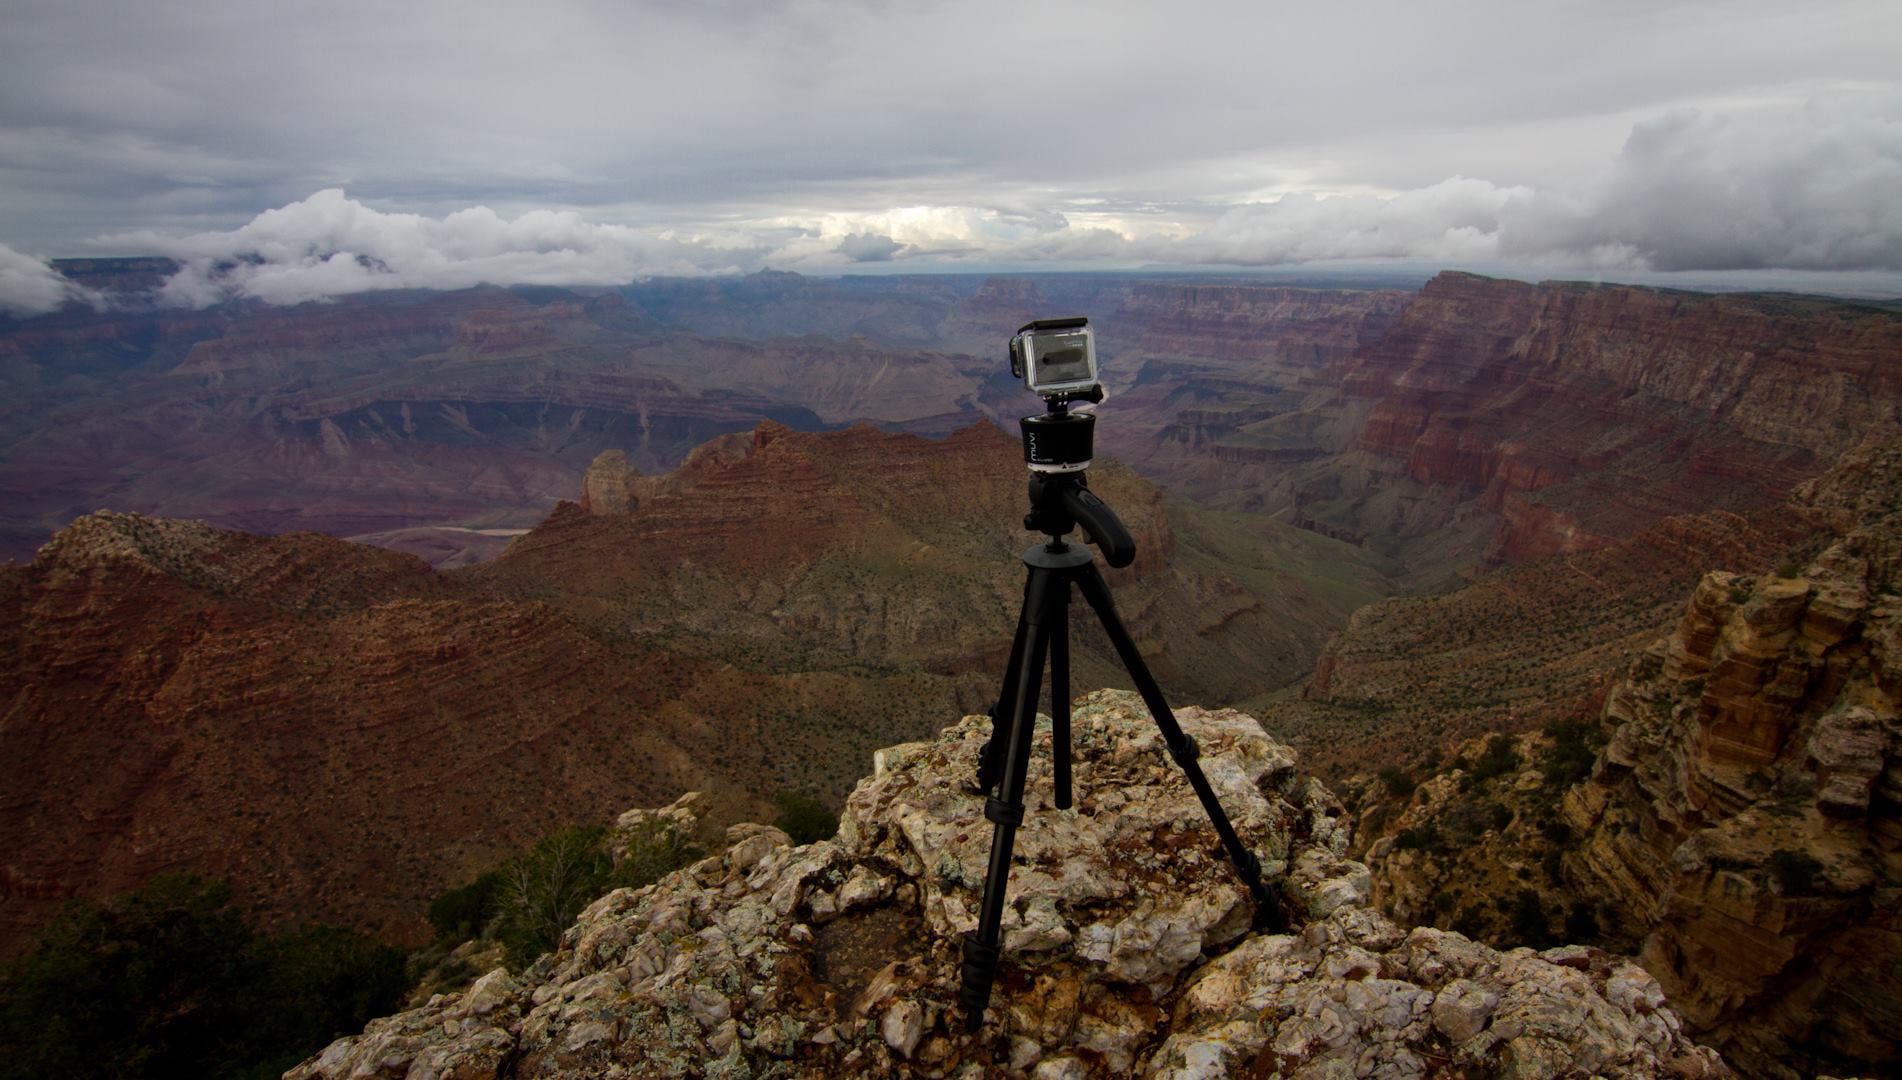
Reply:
x=330 y=245
x=355 y=146
x=869 y=247
x=1811 y=188
x=29 y=286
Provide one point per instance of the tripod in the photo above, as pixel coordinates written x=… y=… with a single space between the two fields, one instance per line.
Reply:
x=1059 y=502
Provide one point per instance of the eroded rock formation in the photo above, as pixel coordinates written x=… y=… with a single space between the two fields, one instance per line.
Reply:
x=1746 y=816
x=1128 y=950
x=1739 y=830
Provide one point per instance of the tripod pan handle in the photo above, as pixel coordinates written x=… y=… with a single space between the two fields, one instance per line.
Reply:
x=1105 y=528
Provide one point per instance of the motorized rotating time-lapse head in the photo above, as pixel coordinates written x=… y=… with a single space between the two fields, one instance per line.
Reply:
x=1056 y=359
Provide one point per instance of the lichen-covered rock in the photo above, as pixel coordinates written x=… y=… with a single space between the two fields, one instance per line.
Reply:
x=1127 y=934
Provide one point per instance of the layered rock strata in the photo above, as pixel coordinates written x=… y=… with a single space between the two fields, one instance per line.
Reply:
x=1566 y=416
x=342 y=732
x=862 y=547
x=1746 y=817
x=1128 y=950
x=1517 y=649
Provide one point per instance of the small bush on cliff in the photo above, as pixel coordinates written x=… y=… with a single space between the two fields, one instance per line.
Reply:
x=1795 y=872
x=1499 y=758
x=543 y=891
x=805 y=817
x=531 y=899
x=464 y=913
x=1571 y=755
x=1397 y=782
x=1529 y=923
x=650 y=852
x=169 y=981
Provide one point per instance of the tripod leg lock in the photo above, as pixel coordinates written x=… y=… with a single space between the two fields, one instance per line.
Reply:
x=980 y=972
x=1000 y=812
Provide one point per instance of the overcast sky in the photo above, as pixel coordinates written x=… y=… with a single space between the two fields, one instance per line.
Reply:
x=357 y=145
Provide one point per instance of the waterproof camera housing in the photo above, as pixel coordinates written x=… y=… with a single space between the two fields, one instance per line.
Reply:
x=1055 y=357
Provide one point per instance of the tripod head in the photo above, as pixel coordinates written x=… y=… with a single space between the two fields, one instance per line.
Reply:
x=1059 y=502
x=1057 y=359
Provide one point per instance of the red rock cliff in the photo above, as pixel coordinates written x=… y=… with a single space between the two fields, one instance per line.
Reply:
x=1575 y=414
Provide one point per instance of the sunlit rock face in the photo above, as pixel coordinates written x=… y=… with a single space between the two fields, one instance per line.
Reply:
x=1128 y=948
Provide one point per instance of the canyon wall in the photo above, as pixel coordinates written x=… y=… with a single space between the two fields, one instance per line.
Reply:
x=1726 y=808
x=1560 y=417
x=1746 y=818
x=383 y=412
x=481 y=408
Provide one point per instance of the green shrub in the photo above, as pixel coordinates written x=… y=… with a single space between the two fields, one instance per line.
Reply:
x=1419 y=838
x=168 y=980
x=1466 y=821
x=1528 y=921
x=530 y=900
x=650 y=852
x=464 y=913
x=1571 y=756
x=1795 y=872
x=805 y=817
x=1499 y=758
x=543 y=891
x=1397 y=782
x=324 y=982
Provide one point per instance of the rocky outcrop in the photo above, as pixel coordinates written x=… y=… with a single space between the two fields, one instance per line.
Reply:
x=1746 y=818
x=608 y=485
x=1127 y=949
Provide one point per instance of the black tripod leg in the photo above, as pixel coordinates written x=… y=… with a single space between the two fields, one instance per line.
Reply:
x=1181 y=746
x=1006 y=809
x=1060 y=697
x=992 y=756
